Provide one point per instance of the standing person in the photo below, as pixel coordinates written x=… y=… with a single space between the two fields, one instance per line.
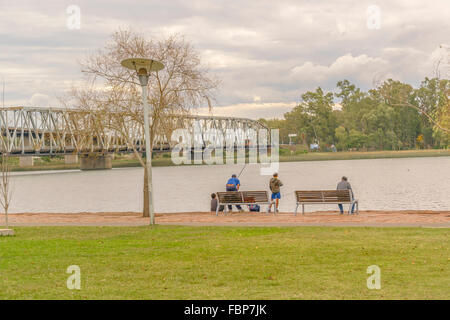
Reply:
x=233 y=184
x=274 y=186
x=345 y=185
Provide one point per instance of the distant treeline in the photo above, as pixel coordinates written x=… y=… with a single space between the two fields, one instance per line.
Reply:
x=394 y=116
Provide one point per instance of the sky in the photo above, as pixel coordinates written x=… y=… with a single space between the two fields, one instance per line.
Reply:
x=265 y=53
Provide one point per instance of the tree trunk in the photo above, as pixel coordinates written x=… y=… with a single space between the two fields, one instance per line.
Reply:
x=146 y=209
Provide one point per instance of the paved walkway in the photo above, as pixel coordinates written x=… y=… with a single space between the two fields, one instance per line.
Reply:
x=436 y=219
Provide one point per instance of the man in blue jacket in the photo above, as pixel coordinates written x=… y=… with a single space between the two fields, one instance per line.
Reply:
x=233 y=184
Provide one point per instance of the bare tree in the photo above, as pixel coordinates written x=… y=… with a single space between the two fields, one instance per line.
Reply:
x=182 y=85
x=397 y=95
x=442 y=62
x=402 y=97
x=5 y=187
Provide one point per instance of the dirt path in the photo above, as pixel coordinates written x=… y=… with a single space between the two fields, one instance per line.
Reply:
x=365 y=218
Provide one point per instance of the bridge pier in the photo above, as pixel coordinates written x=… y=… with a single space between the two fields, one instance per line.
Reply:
x=70 y=158
x=27 y=161
x=95 y=161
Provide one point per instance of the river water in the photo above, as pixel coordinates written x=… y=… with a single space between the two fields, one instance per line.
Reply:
x=379 y=184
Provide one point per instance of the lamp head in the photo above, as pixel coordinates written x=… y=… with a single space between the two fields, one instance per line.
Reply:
x=143 y=67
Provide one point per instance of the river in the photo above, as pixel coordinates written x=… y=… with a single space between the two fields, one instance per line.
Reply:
x=379 y=184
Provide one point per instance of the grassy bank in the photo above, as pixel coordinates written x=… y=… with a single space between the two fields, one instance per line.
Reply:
x=224 y=263
x=163 y=160
x=317 y=156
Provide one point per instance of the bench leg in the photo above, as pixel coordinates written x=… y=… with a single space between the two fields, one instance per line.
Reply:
x=357 y=207
x=303 y=209
x=217 y=209
x=267 y=209
x=296 y=208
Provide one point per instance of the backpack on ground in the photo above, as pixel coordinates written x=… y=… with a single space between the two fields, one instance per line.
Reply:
x=254 y=207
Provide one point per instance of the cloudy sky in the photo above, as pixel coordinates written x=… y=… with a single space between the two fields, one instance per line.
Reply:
x=266 y=53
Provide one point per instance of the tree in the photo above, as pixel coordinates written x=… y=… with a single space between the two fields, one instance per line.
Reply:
x=392 y=116
x=281 y=125
x=432 y=95
x=354 y=105
x=5 y=187
x=318 y=105
x=342 y=138
x=182 y=85
x=357 y=139
x=298 y=121
x=313 y=118
x=443 y=116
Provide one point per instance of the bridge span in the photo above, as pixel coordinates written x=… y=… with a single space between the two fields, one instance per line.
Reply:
x=36 y=131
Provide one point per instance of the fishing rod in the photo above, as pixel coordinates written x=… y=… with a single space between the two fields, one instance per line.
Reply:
x=242 y=170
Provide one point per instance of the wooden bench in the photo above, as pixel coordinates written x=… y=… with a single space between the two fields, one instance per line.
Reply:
x=325 y=196
x=241 y=198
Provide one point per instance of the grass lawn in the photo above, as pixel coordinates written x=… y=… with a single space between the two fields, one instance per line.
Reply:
x=170 y=262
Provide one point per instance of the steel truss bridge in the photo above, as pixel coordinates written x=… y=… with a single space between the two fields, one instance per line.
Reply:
x=57 y=131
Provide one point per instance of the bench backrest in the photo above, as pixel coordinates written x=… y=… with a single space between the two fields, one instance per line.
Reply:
x=255 y=196
x=324 y=196
x=243 y=197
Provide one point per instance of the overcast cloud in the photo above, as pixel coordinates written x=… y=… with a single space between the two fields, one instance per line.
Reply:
x=266 y=53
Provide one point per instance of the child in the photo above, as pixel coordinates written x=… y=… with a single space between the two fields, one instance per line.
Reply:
x=274 y=186
x=214 y=203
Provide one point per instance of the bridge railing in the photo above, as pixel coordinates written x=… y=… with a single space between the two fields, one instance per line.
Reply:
x=47 y=131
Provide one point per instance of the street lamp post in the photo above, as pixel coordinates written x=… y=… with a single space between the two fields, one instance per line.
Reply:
x=143 y=67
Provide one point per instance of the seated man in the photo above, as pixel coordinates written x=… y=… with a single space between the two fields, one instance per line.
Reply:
x=233 y=184
x=345 y=185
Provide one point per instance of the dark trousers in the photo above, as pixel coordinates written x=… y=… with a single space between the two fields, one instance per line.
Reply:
x=341 y=207
x=230 y=207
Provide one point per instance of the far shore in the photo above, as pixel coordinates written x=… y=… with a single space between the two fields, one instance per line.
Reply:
x=367 y=218
x=163 y=160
